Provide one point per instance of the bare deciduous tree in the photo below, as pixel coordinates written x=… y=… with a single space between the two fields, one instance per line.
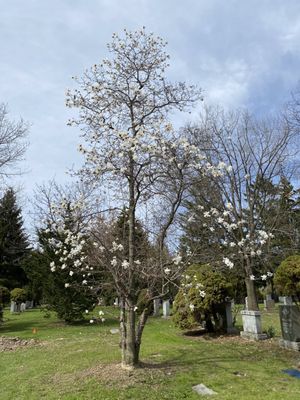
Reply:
x=254 y=152
x=13 y=143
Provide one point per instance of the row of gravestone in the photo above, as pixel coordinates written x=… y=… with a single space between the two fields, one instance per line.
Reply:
x=20 y=307
x=269 y=303
x=156 y=307
x=157 y=303
x=252 y=328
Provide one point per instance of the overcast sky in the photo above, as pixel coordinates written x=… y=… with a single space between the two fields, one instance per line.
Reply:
x=242 y=53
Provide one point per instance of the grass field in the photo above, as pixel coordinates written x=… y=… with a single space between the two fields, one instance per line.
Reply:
x=82 y=362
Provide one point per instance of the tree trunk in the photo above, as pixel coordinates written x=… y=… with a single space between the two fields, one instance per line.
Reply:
x=130 y=352
x=140 y=328
x=251 y=295
x=250 y=288
x=123 y=329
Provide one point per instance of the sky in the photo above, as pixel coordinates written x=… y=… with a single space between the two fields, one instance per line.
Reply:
x=241 y=53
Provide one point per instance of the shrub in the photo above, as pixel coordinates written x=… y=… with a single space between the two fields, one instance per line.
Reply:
x=4 y=295
x=201 y=299
x=18 y=295
x=287 y=277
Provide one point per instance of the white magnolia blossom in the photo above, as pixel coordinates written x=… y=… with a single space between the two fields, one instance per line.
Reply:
x=177 y=260
x=228 y=262
x=125 y=264
x=114 y=262
x=263 y=277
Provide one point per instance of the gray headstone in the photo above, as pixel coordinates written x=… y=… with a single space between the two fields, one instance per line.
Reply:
x=268 y=297
x=23 y=307
x=113 y=331
x=203 y=390
x=290 y=322
x=13 y=307
x=269 y=304
x=229 y=320
x=28 y=304
x=156 y=307
x=287 y=300
x=166 y=308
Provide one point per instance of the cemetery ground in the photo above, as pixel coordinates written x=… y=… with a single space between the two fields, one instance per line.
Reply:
x=82 y=361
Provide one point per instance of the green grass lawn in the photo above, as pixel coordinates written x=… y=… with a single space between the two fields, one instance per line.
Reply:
x=82 y=362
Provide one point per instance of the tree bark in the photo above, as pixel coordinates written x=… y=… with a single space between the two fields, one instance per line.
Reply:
x=130 y=356
x=123 y=330
x=140 y=328
x=250 y=288
x=251 y=295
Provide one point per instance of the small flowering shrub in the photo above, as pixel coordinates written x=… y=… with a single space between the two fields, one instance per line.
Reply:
x=201 y=298
x=287 y=277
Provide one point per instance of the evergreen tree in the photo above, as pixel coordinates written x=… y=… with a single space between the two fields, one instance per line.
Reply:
x=71 y=303
x=14 y=244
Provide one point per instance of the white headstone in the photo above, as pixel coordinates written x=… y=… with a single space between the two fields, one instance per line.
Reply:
x=23 y=307
x=13 y=307
x=252 y=328
x=166 y=308
x=246 y=303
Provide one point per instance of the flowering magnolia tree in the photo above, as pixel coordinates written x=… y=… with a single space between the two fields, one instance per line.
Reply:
x=132 y=151
x=251 y=153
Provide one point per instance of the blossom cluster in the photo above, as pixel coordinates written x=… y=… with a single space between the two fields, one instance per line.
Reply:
x=263 y=277
x=68 y=243
x=238 y=237
x=192 y=282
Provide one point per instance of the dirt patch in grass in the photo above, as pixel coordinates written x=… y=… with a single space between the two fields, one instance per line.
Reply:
x=14 y=343
x=115 y=376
